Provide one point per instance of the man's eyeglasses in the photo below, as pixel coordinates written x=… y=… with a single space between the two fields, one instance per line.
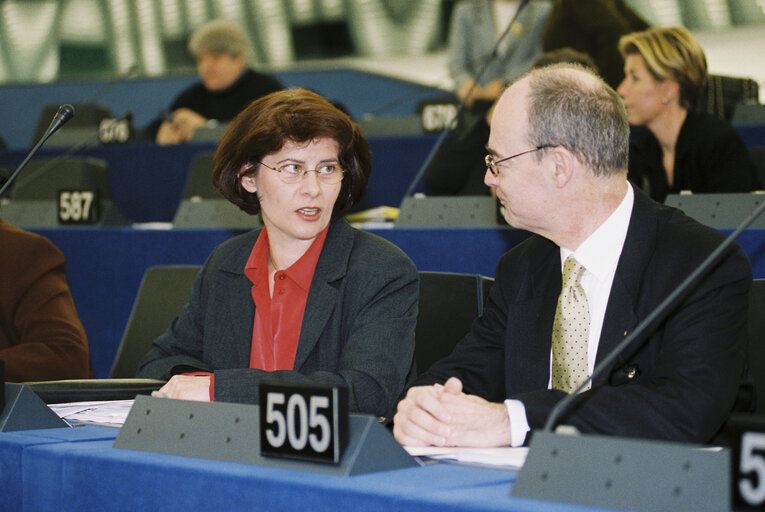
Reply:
x=292 y=173
x=492 y=164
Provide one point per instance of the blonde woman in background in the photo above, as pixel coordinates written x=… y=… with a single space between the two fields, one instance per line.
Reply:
x=683 y=149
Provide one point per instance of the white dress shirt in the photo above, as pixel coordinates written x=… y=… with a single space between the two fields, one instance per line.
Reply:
x=599 y=255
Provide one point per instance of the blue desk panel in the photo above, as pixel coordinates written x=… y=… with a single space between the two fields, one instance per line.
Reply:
x=105 y=265
x=91 y=475
x=147 y=180
x=361 y=93
x=13 y=446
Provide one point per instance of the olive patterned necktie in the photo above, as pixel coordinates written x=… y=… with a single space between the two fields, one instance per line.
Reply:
x=570 y=331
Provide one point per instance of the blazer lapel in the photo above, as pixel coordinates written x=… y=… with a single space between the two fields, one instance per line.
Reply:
x=530 y=327
x=621 y=317
x=237 y=310
x=322 y=297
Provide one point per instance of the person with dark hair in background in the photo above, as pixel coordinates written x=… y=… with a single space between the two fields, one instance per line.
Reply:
x=41 y=336
x=683 y=149
x=307 y=298
x=602 y=258
x=227 y=85
x=593 y=27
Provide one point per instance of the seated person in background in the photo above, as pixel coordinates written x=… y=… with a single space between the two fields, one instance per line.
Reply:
x=227 y=84
x=593 y=27
x=307 y=298
x=682 y=149
x=475 y=27
x=41 y=336
x=458 y=167
x=603 y=256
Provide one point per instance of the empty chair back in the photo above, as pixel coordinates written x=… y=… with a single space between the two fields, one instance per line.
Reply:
x=722 y=93
x=162 y=294
x=449 y=302
x=203 y=206
x=199 y=182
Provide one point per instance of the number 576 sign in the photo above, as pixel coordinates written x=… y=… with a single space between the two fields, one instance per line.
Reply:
x=303 y=421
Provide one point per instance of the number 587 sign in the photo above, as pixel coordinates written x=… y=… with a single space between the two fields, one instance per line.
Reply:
x=303 y=422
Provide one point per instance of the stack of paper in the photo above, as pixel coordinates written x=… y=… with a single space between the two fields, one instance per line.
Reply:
x=111 y=413
x=503 y=456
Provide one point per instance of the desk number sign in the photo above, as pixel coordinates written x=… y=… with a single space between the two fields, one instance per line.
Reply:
x=436 y=116
x=307 y=422
x=748 y=463
x=78 y=207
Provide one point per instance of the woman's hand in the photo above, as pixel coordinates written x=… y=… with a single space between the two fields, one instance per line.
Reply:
x=188 y=387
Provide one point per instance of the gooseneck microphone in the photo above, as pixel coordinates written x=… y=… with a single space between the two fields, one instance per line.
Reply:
x=439 y=142
x=659 y=312
x=29 y=178
x=64 y=114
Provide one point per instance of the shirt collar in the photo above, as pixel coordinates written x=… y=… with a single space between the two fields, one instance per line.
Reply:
x=600 y=252
x=301 y=271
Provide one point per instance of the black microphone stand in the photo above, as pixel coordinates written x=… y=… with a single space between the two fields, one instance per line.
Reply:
x=64 y=114
x=611 y=472
x=68 y=153
x=461 y=106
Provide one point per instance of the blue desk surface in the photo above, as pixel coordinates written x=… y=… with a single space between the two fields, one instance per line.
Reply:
x=77 y=469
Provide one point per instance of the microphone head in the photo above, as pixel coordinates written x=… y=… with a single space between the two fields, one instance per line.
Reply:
x=65 y=113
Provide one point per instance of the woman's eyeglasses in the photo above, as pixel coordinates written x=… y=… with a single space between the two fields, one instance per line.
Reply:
x=292 y=173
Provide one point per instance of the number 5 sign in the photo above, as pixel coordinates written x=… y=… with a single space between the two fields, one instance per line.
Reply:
x=303 y=421
x=748 y=462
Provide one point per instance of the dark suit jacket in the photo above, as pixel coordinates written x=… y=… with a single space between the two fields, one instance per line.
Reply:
x=710 y=156
x=357 y=332
x=41 y=336
x=688 y=368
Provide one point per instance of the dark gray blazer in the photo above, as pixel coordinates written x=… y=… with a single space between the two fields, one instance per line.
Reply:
x=679 y=383
x=357 y=332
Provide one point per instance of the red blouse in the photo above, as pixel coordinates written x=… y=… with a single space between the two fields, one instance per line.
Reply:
x=278 y=318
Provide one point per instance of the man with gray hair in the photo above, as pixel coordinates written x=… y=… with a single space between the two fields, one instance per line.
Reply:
x=227 y=85
x=603 y=256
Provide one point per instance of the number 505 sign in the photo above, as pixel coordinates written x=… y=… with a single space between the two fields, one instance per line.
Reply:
x=303 y=422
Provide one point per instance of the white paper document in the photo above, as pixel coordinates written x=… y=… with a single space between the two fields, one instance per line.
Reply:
x=111 y=412
x=503 y=456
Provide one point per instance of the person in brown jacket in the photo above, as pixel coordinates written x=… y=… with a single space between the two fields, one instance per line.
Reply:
x=41 y=336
